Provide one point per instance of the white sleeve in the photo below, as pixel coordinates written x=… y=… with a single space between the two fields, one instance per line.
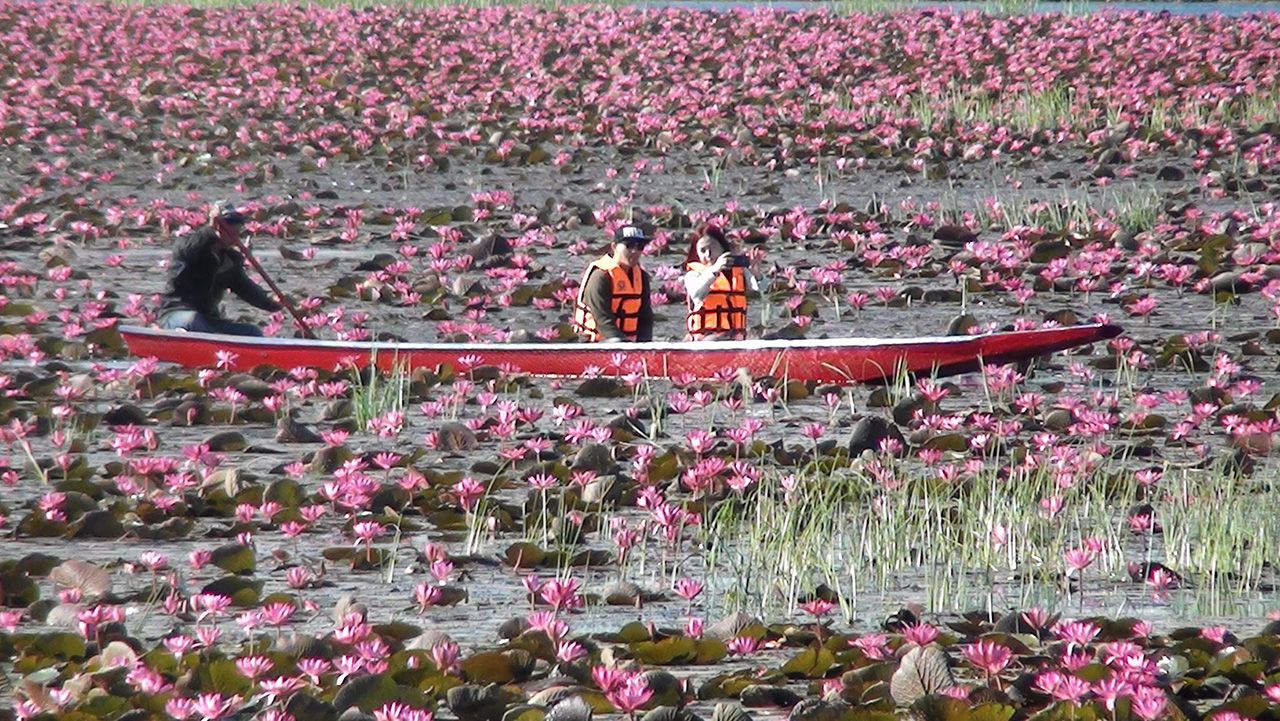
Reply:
x=697 y=286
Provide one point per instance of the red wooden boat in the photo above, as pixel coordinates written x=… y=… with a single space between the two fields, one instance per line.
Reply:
x=836 y=360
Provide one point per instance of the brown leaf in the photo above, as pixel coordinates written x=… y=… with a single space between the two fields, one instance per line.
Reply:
x=92 y=581
x=923 y=671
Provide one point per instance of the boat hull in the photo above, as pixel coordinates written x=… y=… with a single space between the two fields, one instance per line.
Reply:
x=839 y=360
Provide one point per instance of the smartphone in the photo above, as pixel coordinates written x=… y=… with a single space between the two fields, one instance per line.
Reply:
x=739 y=261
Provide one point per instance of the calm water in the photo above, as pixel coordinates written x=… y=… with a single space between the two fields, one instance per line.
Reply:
x=1230 y=9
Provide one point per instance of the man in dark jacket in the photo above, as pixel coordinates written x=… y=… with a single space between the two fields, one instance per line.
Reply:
x=204 y=266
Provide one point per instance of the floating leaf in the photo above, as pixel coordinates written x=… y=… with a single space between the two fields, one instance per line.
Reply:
x=489 y=667
x=17 y=590
x=221 y=676
x=37 y=564
x=711 y=650
x=570 y=709
x=525 y=712
x=234 y=558
x=37 y=525
x=60 y=645
x=90 y=580
x=285 y=491
x=944 y=708
x=366 y=693
x=1067 y=711
x=730 y=712
x=241 y=591
x=524 y=555
x=923 y=671
x=97 y=524
x=673 y=650
x=634 y=631
x=117 y=654
x=810 y=663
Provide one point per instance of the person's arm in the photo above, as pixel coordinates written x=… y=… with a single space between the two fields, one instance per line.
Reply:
x=251 y=292
x=644 y=327
x=598 y=297
x=697 y=284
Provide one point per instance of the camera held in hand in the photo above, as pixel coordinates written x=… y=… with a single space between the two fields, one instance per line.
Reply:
x=738 y=261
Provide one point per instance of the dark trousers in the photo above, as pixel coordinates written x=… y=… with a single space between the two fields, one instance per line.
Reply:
x=198 y=322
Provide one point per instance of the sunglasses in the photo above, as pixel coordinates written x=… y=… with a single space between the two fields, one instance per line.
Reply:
x=635 y=244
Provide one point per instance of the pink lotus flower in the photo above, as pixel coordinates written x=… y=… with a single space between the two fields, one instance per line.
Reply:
x=631 y=695
x=921 y=634
x=988 y=656
x=561 y=594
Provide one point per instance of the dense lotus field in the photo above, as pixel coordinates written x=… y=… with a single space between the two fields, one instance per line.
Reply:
x=1091 y=536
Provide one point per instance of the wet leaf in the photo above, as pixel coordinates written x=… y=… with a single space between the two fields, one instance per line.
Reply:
x=1066 y=711
x=634 y=632
x=60 y=645
x=365 y=693
x=97 y=524
x=758 y=695
x=90 y=580
x=285 y=491
x=923 y=671
x=674 y=650
x=37 y=525
x=242 y=591
x=117 y=654
x=810 y=663
x=524 y=555
x=37 y=564
x=570 y=709
x=524 y=712
x=944 y=708
x=17 y=590
x=489 y=667
x=221 y=676
x=234 y=558
x=710 y=650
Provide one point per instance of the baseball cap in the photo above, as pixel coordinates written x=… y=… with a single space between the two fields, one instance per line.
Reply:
x=630 y=235
x=227 y=212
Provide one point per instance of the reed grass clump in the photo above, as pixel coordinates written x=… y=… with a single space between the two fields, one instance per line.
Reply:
x=379 y=393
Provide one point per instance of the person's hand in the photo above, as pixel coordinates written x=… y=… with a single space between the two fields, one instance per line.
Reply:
x=721 y=263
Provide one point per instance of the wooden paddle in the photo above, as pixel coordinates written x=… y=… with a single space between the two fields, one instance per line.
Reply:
x=231 y=235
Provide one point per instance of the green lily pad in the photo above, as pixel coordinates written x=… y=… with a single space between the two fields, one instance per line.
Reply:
x=710 y=650
x=60 y=645
x=1067 y=711
x=242 y=591
x=673 y=650
x=17 y=590
x=524 y=555
x=810 y=663
x=488 y=667
x=366 y=693
x=234 y=558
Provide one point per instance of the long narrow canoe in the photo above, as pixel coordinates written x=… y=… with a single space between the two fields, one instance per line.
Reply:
x=837 y=360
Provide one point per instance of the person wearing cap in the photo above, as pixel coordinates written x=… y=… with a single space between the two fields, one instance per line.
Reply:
x=716 y=282
x=613 y=299
x=204 y=265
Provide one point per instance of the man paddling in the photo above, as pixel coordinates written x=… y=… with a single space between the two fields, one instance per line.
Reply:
x=204 y=266
x=613 y=300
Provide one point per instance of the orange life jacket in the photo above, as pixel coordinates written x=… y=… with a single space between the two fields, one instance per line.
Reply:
x=724 y=310
x=628 y=289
